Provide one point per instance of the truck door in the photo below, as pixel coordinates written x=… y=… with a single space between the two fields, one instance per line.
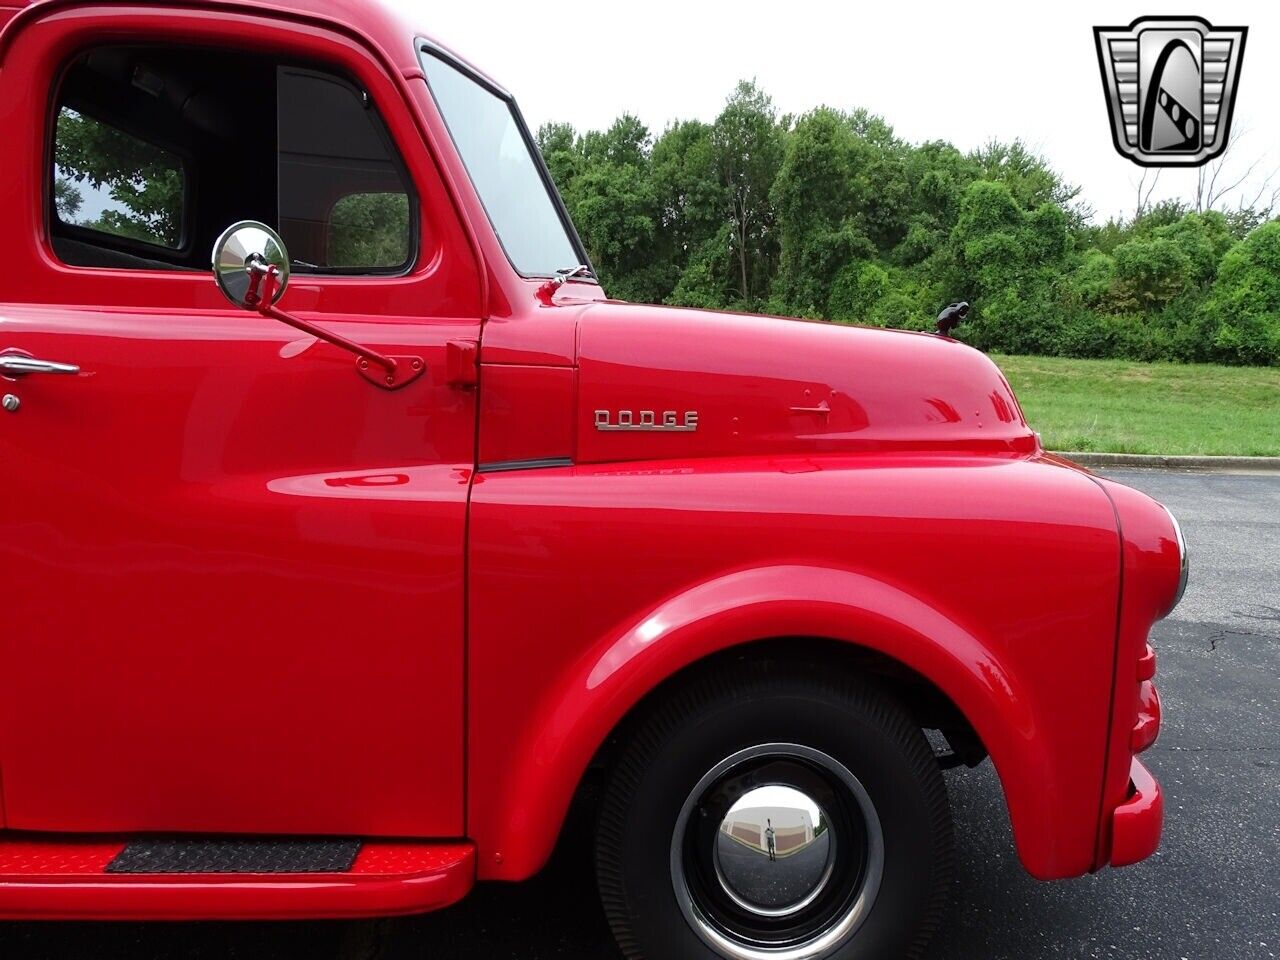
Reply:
x=231 y=567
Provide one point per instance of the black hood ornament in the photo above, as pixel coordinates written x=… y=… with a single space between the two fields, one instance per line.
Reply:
x=952 y=316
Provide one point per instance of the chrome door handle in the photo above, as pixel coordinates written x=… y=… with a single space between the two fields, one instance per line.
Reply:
x=16 y=365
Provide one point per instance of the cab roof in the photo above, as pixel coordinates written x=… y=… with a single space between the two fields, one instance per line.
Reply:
x=390 y=28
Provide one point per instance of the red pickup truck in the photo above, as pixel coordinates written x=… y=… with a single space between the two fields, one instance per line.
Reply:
x=329 y=576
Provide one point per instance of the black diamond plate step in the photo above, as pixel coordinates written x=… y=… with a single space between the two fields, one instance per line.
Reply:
x=235 y=855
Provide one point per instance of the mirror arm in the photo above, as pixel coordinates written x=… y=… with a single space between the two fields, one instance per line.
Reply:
x=253 y=243
x=263 y=282
x=364 y=353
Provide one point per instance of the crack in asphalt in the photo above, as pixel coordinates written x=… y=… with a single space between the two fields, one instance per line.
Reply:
x=1215 y=638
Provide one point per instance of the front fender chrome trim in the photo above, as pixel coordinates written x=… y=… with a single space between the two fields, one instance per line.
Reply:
x=1184 y=561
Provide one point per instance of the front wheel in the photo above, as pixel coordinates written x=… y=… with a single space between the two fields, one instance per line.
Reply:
x=769 y=813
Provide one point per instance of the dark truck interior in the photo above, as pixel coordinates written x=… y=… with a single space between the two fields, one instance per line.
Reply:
x=156 y=151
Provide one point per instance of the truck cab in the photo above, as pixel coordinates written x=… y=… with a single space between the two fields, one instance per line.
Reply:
x=347 y=526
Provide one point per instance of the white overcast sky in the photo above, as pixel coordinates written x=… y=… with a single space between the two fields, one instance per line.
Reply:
x=964 y=72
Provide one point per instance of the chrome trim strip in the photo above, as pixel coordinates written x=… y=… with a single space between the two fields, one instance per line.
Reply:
x=1184 y=573
x=503 y=466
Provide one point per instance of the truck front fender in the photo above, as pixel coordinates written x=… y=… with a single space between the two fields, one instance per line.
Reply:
x=520 y=818
x=994 y=579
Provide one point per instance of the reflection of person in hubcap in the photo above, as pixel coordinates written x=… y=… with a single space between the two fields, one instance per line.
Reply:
x=770 y=838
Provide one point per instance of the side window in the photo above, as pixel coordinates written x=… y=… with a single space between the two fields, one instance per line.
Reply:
x=369 y=230
x=344 y=202
x=108 y=181
x=154 y=151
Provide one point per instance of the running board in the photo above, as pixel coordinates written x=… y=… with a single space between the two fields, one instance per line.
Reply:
x=251 y=855
x=93 y=878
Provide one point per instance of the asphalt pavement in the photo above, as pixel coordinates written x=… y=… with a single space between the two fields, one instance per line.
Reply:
x=1212 y=892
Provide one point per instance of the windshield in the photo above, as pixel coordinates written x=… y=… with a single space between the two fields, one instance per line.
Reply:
x=499 y=158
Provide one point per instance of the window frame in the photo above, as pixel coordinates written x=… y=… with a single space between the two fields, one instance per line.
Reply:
x=427 y=48
x=115 y=240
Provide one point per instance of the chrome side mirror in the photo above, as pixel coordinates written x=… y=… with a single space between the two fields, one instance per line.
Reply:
x=251 y=268
x=243 y=258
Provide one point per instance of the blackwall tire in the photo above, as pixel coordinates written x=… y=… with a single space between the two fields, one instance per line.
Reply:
x=683 y=869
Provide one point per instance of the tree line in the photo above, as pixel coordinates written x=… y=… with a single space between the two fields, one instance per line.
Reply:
x=829 y=214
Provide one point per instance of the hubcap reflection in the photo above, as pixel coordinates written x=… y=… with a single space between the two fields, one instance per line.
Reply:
x=774 y=851
x=777 y=854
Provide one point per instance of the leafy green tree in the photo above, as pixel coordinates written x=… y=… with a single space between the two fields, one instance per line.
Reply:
x=1030 y=180
x=709 y=276
x=819 y=201
x=626 y=143
x=938 y=174
x=1162 y=214
x=615 y=209
x=897 y=308
x=369 y=230
x=562 y=151
x=1093 y=279
x=693 y=237
x=858 y=289
x=1150 y=271
x=988 y=239
x=1010 y=262
x=1204 y=238
x=1243 y=310
x=1242 y=222
x=830 y=214
x=881 y=182
x=748 y=143
x=67 y=200
x=145 y=181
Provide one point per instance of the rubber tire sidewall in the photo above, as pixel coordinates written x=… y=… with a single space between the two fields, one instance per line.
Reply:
x=849 y=721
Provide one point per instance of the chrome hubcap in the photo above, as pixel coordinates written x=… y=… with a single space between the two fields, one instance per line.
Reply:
x=777 y=854
x=773 y=853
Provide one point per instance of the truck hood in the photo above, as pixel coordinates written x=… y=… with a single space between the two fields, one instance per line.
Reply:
x=668 y=383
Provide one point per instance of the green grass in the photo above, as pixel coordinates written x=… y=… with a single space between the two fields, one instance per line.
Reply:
x=1122 y=406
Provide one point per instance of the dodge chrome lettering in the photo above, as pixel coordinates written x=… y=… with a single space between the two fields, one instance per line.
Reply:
x=647 y=420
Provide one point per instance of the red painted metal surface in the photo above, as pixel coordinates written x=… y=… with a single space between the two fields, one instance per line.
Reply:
x=745 y=376
x=64 y=879
x=462 y=363
x=526 y=413
x=1146 y=728
x=204 y=632
x=1136 y=823
x=1151 y=565
x=996 y=578
x=52 y=857
x=234 y=573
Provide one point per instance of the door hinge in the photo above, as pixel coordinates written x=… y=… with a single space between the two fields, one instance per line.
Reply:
x=462 y=363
